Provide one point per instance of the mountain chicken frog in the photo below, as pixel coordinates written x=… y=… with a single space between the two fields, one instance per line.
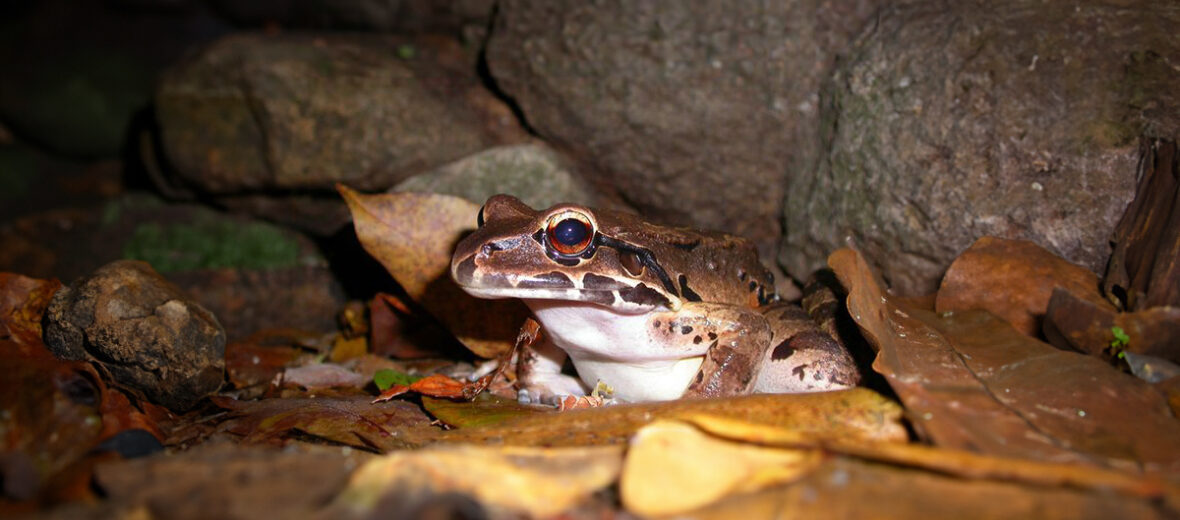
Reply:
x=653 y=312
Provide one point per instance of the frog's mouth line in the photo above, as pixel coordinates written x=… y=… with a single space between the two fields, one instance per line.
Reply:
x=628 y=300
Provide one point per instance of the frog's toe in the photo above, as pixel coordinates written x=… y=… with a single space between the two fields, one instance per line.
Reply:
x=550 y=388
x=526 y=396
x=523 y=396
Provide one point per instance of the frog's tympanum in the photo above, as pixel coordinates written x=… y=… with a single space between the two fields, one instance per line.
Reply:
x=653 y=312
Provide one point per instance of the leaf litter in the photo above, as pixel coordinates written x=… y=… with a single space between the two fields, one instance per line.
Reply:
x=1006 y=417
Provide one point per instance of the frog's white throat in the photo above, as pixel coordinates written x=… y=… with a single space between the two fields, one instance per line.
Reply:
x=617 y=349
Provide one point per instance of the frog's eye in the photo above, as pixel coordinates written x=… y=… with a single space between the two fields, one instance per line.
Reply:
x=569 y=233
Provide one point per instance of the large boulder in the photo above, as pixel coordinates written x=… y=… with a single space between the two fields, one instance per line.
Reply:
x=695 y=112
x=300 y=112
x=1019 y=119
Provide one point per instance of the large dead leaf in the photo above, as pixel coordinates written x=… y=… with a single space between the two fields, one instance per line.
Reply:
x=540 y=482
x=856 y=413
x=485 y=410
x=54 y=413
x=1014 y=280
x=673 y=467
x=960 y=463
x=855 y=488
x=413 y=235
x=51 y=417
x=352 y=421
x=970 y=381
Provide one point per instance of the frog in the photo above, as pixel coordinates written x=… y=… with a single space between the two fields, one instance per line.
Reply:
x=651 y=311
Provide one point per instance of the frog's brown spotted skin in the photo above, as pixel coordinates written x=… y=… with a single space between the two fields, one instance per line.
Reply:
x=654 y=312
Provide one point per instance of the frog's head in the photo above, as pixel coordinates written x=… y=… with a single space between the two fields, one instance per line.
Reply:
x=567 y=252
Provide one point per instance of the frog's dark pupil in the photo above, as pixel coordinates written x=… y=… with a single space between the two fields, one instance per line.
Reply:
x=570 y=232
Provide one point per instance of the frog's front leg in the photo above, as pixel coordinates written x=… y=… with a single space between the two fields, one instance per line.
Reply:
x=736 y=339
x=538 y=374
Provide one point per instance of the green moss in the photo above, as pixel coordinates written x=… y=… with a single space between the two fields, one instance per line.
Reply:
x=209 y=243
x=114 y=209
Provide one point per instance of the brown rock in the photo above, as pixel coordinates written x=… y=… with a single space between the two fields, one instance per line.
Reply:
x=951 y=120
x=301 y=112
x=142 y=330
x=695 y=112
x=1014 y=280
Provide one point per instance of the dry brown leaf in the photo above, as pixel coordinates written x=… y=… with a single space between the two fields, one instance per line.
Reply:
x=352 y=421
x=260 y=357
x=344 y=349
x=540 y=482
x=969 y=381
x=856 y=413
x=23 y=301
x=855 y=488
x=50 y=416
x=953 y=462
x=413 y=235
x=486 y=409
x=1014 y=280
x=673 y=467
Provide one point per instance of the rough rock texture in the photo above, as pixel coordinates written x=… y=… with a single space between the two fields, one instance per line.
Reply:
x=149 y=336
x=696 y=112
x=382 y=15
x=953 y=120
x=534 y=173
x=299 y=112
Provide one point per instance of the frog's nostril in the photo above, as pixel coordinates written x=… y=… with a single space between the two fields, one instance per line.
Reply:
x=490 y=248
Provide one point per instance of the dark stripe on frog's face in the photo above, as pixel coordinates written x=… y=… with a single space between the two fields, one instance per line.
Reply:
x=592 y=281
x=645 y=255
x=550 y=280
x=644 y=295
x=686 y=292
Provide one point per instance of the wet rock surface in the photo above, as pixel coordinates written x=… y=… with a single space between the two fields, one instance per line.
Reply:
x=694 y=113
x=140 y=328
x=951 y=121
